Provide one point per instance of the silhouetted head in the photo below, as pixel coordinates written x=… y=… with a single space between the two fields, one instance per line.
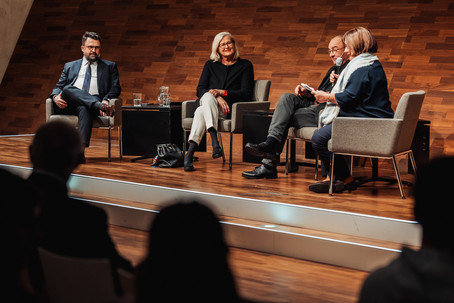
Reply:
x=433 y=196
x=57 y=148
x=187 y=257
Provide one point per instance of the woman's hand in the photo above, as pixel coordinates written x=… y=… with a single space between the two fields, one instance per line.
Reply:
x=217 y=92
x=223 y=105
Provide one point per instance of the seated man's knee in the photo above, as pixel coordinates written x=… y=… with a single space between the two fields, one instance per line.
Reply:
x=286 y=97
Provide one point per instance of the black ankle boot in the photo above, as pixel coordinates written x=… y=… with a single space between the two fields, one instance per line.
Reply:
x=188 y=166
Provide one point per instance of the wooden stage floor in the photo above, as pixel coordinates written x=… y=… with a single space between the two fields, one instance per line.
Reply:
x=211 y=176
x=260 y=276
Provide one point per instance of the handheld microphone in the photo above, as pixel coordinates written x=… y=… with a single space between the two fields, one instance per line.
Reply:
x=338 y=65
x=337 y=69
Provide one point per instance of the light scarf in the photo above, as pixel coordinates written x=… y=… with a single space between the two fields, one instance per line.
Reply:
x=331 y=110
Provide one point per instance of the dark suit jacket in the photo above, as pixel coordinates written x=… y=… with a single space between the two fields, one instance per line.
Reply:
x=108 y=78
x=72 y=227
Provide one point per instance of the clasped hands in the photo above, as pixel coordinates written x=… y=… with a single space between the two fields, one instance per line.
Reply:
x=223 y=105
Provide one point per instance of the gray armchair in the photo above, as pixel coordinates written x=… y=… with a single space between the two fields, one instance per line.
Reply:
x=98 y=122
x=299 y=134
x=235 y=124
x=378 y=138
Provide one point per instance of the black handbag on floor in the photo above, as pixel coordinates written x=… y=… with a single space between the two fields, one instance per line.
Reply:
x=169 y=155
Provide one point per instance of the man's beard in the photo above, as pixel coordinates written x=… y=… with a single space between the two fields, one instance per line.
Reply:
x=92 y=58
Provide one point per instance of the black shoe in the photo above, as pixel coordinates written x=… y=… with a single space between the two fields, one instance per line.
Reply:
x=323 y=187
x=189 y=168
x=217 y=152
x=261 y=172
x=263 y=150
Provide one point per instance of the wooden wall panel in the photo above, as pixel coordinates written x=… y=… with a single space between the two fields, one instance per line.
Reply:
x=167 y=41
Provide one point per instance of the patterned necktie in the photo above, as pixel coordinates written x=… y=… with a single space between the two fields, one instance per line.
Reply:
x=87 y=79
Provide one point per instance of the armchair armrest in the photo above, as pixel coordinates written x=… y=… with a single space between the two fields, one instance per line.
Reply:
x=116 y=119
x=49 y=109
x=240 y=107
x=187 y=108
x=366 y=136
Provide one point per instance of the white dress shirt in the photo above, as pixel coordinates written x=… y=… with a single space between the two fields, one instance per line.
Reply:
x=94 y=77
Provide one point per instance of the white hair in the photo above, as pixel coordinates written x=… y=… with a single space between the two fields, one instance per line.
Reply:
x=215 y=56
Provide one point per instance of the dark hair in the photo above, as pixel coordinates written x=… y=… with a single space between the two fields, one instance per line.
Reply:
x=187 y=258
x=56 y=147
x=91 y=35
x=432 y=192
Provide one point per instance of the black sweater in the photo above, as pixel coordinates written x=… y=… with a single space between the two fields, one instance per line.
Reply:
x=237 y=79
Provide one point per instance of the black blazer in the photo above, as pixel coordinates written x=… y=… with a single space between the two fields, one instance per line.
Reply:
x=108 y=78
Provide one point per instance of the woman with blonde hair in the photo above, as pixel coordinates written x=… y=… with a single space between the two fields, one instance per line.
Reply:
x=360 y=91
x=225 y=79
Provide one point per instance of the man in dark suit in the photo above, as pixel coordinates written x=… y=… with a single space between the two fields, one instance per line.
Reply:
x=66 y=225
x=85 y=92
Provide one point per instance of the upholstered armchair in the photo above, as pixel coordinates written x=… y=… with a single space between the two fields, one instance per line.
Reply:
x=98 y=122
x=379 y=138
x=234 y=125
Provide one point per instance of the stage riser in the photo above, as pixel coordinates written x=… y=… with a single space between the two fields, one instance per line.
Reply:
x=358 y=225
x=380 y=228
x=300 y=246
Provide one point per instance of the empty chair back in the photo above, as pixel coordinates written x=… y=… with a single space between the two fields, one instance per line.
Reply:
x=261 y=90
x=75 y=280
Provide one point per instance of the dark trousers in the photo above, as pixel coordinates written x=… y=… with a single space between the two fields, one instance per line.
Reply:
x=291 y=110
x=84 y=106
x=320 y=144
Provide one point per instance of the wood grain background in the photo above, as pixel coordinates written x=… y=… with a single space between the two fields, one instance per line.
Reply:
x=167 y=41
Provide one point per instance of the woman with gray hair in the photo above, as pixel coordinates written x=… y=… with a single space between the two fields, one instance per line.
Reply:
x=225 y=79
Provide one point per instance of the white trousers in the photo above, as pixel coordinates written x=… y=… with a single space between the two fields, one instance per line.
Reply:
x=206 y=116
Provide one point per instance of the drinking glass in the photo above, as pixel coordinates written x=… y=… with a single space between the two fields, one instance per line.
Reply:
x=164 y=96
x=137 y=99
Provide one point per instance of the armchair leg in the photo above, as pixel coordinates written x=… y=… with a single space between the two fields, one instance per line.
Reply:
x=331 y=177
x=109 y=144
x=120 y=142
x=399 y=181
x=412 y=161
x=287 y=146
x=231 y=150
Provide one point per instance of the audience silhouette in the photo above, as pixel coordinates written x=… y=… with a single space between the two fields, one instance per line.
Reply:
x=427 y=274
x=17 y=230
x=187 y=258
x=67 y=226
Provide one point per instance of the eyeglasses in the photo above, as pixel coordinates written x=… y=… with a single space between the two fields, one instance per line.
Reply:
x=334 y=50
x=93 y=47
x=226 y=44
